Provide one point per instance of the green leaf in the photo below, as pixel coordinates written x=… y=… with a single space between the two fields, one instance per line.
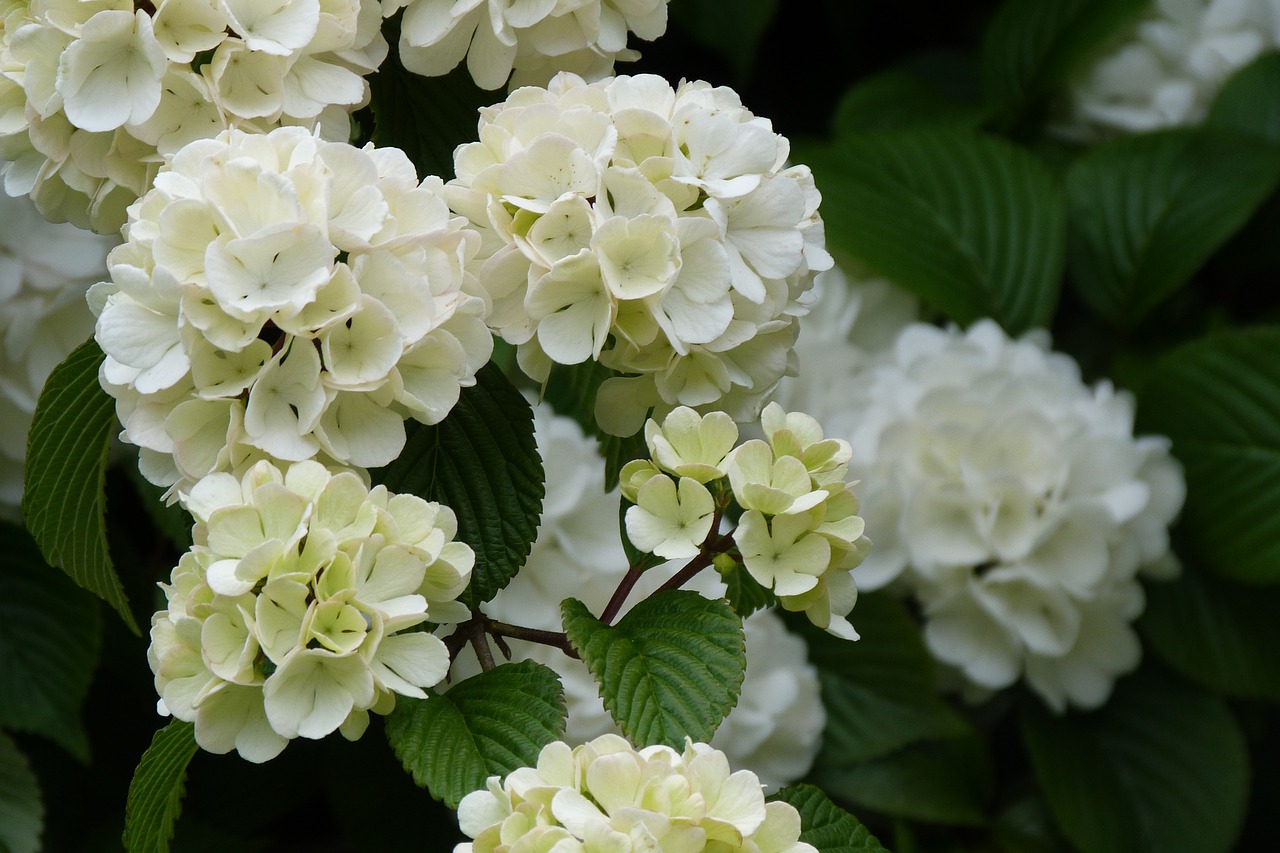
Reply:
x=1031 y=46
x=970 y=223
x=488 y=725
x=1219 y=634
x=1218 y=399
x=1161 y=767
x=571 y=391
x=928 y=90
x=63 y=499
x=1147 y=211
x=938 y=781
x=50 y=633
x=482 y=462
x=1248 y=103
x=425 y=117
x=671 y=668
x=155 y=794
x=745 y=594
x=171 y=520
x=21 y=807
x=825 y=825
x=880 y=692
x=735 y=36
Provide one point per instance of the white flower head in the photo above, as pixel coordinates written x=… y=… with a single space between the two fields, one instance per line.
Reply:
x=1167 y=68
x=1009 y=498
x=288 y=298
x=606 y=795
x=99 y=93
x=290 y=615
x=536 y=38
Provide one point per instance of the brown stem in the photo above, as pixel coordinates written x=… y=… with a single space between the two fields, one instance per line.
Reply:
x=556 y=639
x=620 y=594
x=479 y=639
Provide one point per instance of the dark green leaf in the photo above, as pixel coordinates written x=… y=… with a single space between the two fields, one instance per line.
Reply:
x=968 y=222
x=1248 y=102
x=1217 y=633
x=1031 y=46
x=825 y=825
x=571 y=391
x=1161 y=767
x=937 y=781
x=745 y=594
x=50 y=632
x=169 y=519
x=736 y=35
x=155 y=794
x=482 y=462
x=485 y=726
x=63 y=500
x=880 y=692
x=930 y=90
x=1147 y=211
x=671 y=668
x=1219 y=400
x=21 y=807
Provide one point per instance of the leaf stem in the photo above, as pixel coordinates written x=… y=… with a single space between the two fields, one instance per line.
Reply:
x=556 y=639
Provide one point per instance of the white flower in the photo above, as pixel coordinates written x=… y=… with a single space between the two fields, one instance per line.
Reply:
x=1168 y=67
x=653 y=229
x=612 y=797
x=284 y=297
x=1009 y=498
x=289 y=615
x=671 y=522
x=776 y=727
x=97 y=93
x=45 y=270
x=536 y=38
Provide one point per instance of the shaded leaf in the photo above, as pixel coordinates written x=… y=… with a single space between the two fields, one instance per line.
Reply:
x=931 y=89
x=63 y=500
x=159 y=783
x=736 y=36
x=1248 y=101
x=744 y=593
x=671 y=668
x=571 y=391
x=21 y=806
x=488 y=725
x=825 y=825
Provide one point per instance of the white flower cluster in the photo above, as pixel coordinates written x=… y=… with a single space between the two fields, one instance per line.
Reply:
x=535 y=37
x=606 y=795
x=799 y=533
x=776 y=727
x=95 y=92
x=45 y=270
x=1168 y=68
x=1011 y=500
x=652 y=229
x=283 y=297
x=291 y=615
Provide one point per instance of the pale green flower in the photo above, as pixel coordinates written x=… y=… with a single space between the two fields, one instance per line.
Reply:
x=668 y=520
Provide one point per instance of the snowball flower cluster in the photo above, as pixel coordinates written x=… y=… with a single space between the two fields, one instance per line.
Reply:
x=288 y=298
x=535 y=37
x=1167 y=69
x=290 y=615
x=776 y=727
x=799 y=533
x=652 y=229
x=45 y=270
x=96 y=92
x=606 y=795
x=1012 y=501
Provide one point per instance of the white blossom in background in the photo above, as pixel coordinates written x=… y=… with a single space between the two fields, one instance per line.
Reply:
x=1009 y=498
x=45 y=270
x=1168 y=67
x=283 y=297
x=289 y=616
x=655 y=230
x=536 y=38
x=776 y=728
x=607 y=795
x=95 y=93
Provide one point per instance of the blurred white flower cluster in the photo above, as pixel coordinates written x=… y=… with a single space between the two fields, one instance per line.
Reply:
x=288 y=617
x=1167 y=69
x=535 y=37
x=799 y=534
x=45 y=270
x=95 y=92
x=776 y=727
x=652 y=229
x=1009 y=498
x=283 y=297
x=606 y=795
